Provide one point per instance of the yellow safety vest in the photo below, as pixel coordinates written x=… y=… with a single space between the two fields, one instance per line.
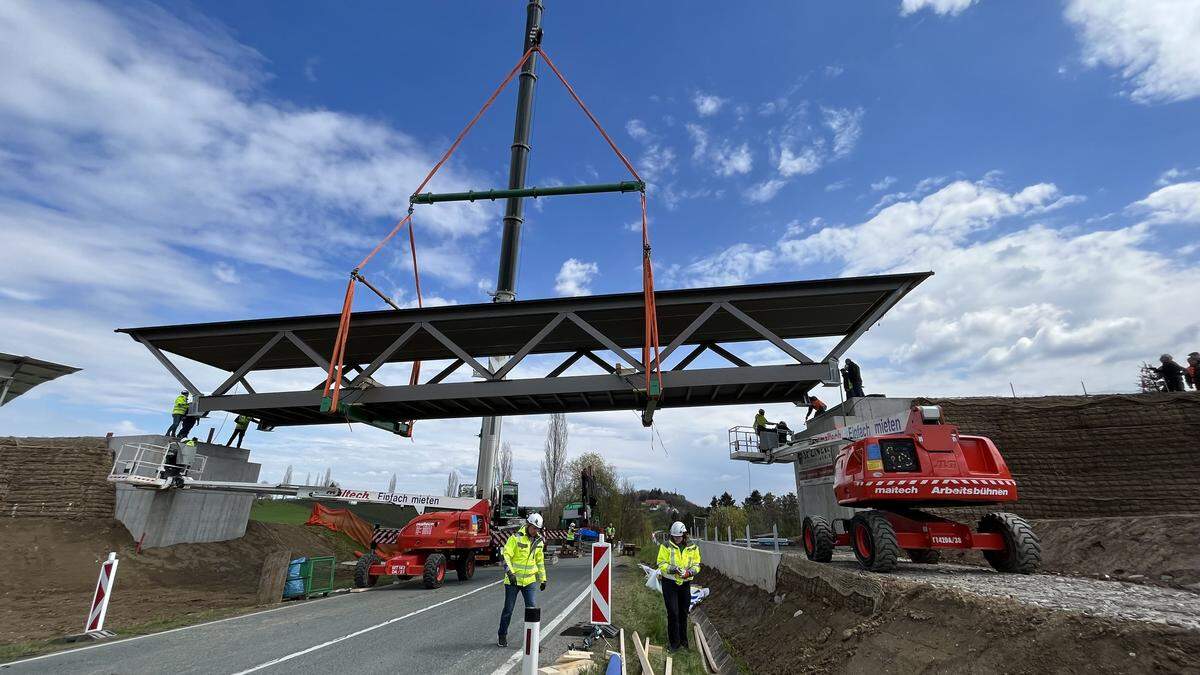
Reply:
x=670 y=555
x=181 y=405
x=760 y=422
x=610 y=533
x=570 y=535
x=242 y=422
x=525 y=558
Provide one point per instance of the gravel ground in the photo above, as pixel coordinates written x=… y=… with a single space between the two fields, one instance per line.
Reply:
x=1110 y=599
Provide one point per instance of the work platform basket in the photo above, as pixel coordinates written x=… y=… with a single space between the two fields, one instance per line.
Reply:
x=309 y=577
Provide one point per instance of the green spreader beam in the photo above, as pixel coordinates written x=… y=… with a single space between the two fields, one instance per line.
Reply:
x=586 y=189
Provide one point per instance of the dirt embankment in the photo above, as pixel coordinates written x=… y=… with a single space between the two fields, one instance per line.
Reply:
x=50 y=568
x=822 y=622
x=1155 y=550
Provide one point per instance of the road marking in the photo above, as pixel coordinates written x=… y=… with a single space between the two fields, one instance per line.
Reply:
x=356 y=633
x=66 y=652
x=516 y=657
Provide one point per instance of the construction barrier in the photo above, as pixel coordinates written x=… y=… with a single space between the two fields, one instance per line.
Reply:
x=104 y=586
x=744 y=565
x=601 y=583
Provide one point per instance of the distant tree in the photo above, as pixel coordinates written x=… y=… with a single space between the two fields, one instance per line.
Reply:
x=713 y=503
x=1149 y=380
x=754 y=501
x=726 y=499
x=730 y=517
x=506 y=462
x=554 y=463
x=452 y=484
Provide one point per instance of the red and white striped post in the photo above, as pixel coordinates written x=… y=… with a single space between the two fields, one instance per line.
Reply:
x=104 y=585
x=533 y=640
x=601 y=583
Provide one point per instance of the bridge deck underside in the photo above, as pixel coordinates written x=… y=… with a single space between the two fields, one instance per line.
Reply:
x=691 y=321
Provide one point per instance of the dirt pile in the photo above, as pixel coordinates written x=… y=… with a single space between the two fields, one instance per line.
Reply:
x=50 y=568
x=1092 y=456
x=55 y=478
x=814 y=624
x=1156 y=550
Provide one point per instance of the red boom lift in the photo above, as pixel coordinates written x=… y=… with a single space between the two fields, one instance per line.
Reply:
x=430 y=545
x=929 y=464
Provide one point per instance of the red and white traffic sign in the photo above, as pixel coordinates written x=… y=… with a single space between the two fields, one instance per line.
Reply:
x=104 y=585
x=602 y=583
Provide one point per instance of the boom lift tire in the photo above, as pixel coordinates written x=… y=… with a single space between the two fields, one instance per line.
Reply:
x=818 y=539
x=362 y=571
x=924 y=556
x=1022 y=552
x=435 y=571
x=874 y=541
x=465 y=566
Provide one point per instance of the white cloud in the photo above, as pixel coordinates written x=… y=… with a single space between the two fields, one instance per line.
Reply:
x=883 y=183
x=846 y=125
x=1174 y=204
x=837 y=185
x=1023 y=303
x=1174 y=175
x=637 y=130
x=728 y=160
x=951 y=7
x=834 y=71
x=807 y=161
x=1153 y=44
x=707 y=105
x=699 y=137
x=765 y=191
x=575 y=277
x=225 y=273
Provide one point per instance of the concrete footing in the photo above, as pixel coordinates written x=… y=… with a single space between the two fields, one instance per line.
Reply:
x=744 y=565
x=163 y=518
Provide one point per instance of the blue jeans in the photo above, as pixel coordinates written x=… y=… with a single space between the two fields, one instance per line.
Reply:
x=528 y=594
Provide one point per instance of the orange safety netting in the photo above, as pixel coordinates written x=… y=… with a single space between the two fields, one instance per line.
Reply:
x=344 y=520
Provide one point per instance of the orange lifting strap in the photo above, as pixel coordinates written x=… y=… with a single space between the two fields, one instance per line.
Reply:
x=650 y=346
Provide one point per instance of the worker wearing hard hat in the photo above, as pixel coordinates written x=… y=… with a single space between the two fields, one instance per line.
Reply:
x=1171 y=373
x=571 y=534
x=177 y=412
x=816 y=408
x=610 y=532
x=524 y=565
x=239 y=430
x=678 y=564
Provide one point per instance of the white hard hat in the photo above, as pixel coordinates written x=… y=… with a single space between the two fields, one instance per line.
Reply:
x=535 y=519
x=678 y=529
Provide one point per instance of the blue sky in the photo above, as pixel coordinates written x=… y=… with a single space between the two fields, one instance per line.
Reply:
x=185 y=162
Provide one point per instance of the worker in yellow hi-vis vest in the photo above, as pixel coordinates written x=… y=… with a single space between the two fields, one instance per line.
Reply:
x=678 y=564
x=239 y=429
x=177 y=412
x=524 y=565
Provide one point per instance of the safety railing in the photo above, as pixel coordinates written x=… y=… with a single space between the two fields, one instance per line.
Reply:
x=151 y=465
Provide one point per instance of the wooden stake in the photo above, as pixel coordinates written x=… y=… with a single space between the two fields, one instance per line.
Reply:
x=701 y=647
x=667 y=671
x=623 y=652
x=641 y=654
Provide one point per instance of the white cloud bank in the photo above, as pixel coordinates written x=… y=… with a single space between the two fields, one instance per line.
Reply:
x=1153 y=44
x=950 y=7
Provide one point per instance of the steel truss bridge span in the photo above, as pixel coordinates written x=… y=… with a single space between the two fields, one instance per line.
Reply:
x=691 y=322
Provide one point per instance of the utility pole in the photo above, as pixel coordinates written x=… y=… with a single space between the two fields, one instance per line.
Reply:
x=514 y=217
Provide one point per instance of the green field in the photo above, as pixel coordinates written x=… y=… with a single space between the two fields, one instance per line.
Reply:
x=297 y=511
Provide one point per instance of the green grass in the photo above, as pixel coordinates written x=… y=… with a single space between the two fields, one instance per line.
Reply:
x=640 y=609
x=286 y=511
x=20 y=650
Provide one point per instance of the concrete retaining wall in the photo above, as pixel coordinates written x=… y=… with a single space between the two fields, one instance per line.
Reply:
x=744 y=565
x=187 y=516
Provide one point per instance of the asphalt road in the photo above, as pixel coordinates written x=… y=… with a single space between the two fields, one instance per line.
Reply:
x=399 y=628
